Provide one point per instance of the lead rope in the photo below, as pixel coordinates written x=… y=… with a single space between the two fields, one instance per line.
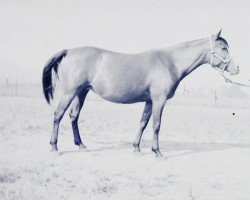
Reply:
x=233 y=82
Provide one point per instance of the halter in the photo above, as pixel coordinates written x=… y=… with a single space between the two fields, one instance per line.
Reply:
x=225 y=61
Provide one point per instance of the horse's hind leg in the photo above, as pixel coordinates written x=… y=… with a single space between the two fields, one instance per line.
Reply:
x=59 y=112
x=74 y=115
x=144 y=121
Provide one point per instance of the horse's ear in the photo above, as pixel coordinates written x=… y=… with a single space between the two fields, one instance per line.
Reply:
x=218 y=34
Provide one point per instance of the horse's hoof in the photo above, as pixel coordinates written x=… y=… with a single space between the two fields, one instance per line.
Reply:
x=137 y=149
x=137 y=152
x=158 y=155
x=83 y=148
x=54 y=149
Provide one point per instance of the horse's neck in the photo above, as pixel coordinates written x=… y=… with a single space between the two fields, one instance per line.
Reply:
x=186 y=57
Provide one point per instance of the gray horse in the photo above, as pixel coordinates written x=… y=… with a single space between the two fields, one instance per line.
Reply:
x=151 y=77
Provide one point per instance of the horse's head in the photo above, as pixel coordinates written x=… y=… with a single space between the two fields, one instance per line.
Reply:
x=220 y=57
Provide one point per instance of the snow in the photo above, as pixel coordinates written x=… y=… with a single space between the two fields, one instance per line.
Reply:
x=206 y=152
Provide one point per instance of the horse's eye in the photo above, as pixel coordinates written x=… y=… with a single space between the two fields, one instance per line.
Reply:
x=224 y=48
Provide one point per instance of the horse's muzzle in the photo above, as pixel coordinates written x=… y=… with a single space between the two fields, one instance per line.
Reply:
x=237 y=71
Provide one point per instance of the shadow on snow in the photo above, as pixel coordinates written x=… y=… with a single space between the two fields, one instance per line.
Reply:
x=166 y=146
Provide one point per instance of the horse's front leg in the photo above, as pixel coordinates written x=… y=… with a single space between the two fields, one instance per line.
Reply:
x=144 y=121
x=158 y=106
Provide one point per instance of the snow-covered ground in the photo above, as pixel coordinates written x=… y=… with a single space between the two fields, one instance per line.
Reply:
x=206 y=152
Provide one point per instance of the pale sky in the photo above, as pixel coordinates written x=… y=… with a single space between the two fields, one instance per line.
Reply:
x=32 y=31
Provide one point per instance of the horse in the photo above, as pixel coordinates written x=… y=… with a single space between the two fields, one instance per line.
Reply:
x=151 y=76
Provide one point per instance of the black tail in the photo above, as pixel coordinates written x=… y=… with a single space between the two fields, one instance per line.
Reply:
x=47 y=74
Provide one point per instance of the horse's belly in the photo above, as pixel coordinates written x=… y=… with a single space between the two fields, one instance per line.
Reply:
x=123 y=100
x=121 y=96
